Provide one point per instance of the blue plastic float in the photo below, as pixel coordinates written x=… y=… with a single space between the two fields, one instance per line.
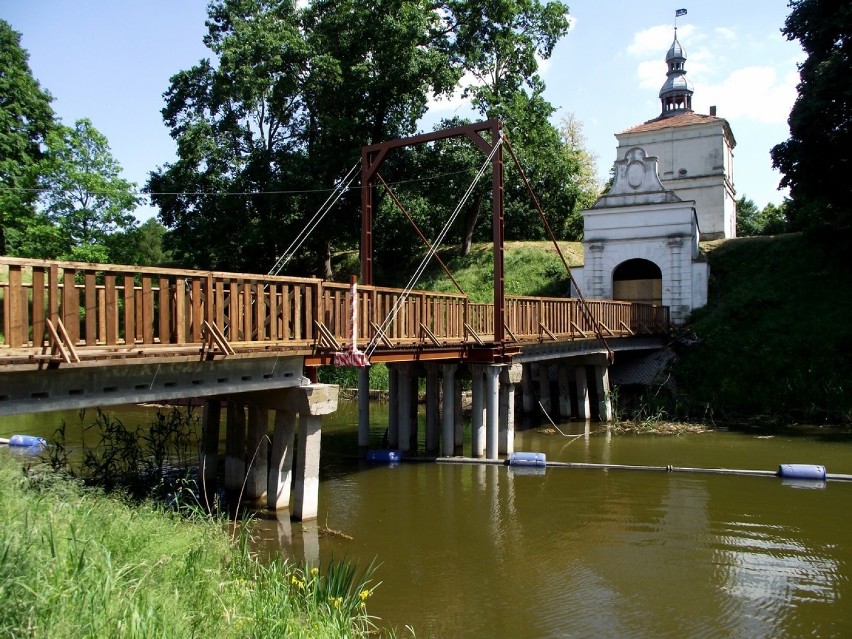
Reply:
x=528 y=459
x=27 y=441
x=384 y=456
x=802 y=471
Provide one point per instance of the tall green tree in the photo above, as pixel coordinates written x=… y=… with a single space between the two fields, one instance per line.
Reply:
x=815 y=161
x=85 y=197
x=26 y=119
x=770 y=220
x=281 y=111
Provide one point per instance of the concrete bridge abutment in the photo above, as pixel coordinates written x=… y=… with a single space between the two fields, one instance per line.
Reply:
x=260 y=466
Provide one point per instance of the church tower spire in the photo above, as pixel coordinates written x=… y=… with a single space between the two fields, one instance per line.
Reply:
x=676 y=93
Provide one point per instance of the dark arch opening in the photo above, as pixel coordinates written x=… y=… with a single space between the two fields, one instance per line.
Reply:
x=638 y=280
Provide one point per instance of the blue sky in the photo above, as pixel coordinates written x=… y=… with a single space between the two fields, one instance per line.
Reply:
x=110 y=61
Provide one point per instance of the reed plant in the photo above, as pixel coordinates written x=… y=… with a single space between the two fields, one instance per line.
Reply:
x=78 y=563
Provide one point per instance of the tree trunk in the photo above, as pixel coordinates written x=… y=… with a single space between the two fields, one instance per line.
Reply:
x=469 y=225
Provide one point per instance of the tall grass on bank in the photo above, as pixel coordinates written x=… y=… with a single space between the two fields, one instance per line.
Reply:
x=775 y=335
x=76 y=563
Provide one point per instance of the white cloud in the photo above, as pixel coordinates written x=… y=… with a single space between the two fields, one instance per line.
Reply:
x=755 y=93
x=648 y=41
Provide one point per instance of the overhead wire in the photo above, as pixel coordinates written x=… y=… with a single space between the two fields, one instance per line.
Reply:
x=391 y=316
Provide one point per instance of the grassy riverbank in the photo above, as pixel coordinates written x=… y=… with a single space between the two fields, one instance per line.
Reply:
x=78 y=564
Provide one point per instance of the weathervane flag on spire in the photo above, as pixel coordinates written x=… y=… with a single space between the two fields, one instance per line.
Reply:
x=680 y=12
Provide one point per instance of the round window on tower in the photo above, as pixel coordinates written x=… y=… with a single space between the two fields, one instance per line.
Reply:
x=682 y=172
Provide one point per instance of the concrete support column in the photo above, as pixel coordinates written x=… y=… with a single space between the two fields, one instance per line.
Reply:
x=583 y=410
x=403 y=389
x=477 y=415
x=209 y=452
x=415 y=398
x=527 y=387
x=393 y=406
x=544 y=387
x=364 y=409
x=604 y=399
x=257 y=450
x=509 y=377
x=458 y=421
x=433 y=409
x=235 y=447
x=449 y=414
x=306 y=498
x=564 y=390
x=281 y=467
x=492 y=392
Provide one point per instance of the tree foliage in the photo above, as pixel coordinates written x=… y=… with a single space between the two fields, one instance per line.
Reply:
x=85 y=198
x=815 y=160
x=751 y=221
x=26 y=119
x=291 y=94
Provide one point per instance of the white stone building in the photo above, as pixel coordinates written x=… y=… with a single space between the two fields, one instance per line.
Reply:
x=695 y=151
x=673 y=185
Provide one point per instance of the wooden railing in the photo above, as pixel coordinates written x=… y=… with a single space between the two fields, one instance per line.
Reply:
x=106 y=306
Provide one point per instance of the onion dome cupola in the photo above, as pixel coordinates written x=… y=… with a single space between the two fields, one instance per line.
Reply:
x=676 y=93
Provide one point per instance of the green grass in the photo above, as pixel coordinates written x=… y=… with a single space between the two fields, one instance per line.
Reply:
x=775 y=335
x=75 y=563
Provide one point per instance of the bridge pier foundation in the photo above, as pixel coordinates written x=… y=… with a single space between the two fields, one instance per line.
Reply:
x=492 y=414
x=604 y=399
x=544 y=387
x=404 y=406
x=510 y=376
x=582 y=381
x=208 y=458
x=393 y=406
x=433 y=409
x=528 y=397
x=364 y=409
x=247 y=471
x=563 y=373
x=448 y=439
x=477 y=415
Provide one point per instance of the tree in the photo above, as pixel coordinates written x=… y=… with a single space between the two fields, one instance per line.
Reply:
x=816 y=159
x=26 y=119
x=85 y=197
x=264 y=131
x=770 y=220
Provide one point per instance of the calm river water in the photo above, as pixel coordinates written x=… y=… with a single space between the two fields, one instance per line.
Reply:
x=487 y=551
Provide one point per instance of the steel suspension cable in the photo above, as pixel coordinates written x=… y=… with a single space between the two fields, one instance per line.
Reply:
x=371 y=347
x=323 y=210
x=590 y=316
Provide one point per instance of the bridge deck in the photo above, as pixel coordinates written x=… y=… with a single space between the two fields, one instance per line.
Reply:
x=76 y=313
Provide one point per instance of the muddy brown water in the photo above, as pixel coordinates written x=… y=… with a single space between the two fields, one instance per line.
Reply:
x=492 y=551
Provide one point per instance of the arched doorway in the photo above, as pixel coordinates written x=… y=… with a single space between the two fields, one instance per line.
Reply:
x=638 y=281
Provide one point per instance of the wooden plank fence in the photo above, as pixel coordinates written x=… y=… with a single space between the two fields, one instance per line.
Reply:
x=106 y=306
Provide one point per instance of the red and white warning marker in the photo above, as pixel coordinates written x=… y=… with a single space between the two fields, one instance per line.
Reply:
x=352 y=356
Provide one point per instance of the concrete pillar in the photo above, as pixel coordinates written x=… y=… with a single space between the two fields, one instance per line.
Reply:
x=414 y=431
x=583 y=410
x=364 y=409
x=235 y=448
x=306 y=497
x=604 y=399
x=281 y=467
x=544 y=387
x=209 y=451
x=509 y=377
x=564 y=390
x=393 y=406
x=433 y=409
x=458 y=421
x=477 y=415
x=527 y=387
x=492 y=415
x=448 y=436
x=257 y=452
x=403 y=389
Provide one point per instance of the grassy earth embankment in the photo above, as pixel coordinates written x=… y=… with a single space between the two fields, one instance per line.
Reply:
x=774 y=337
x=79 y=564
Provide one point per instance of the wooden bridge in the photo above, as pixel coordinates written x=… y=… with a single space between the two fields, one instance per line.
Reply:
x=64 y=313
